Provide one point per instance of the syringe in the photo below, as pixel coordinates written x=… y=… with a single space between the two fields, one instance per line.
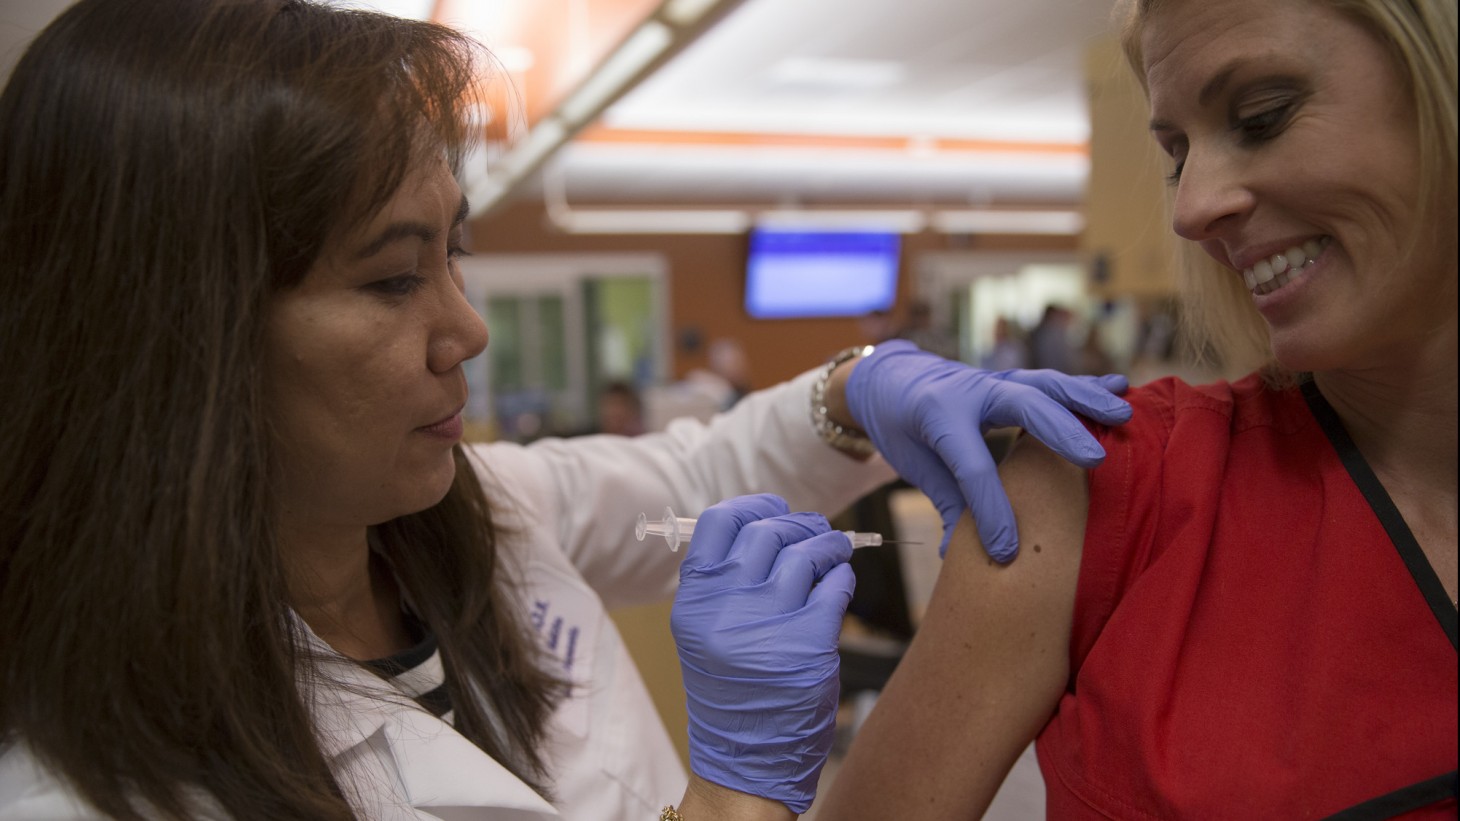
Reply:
x=676 y=531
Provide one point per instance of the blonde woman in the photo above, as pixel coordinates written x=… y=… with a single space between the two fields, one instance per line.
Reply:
x=1249 y=609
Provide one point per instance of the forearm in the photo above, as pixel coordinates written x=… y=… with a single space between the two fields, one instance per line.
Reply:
x=765 y=444
x=708 y=801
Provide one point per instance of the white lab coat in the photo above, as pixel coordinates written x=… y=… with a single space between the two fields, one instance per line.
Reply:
x=565 y=511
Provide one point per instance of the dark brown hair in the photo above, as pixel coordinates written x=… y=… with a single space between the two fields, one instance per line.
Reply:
x=165 y=167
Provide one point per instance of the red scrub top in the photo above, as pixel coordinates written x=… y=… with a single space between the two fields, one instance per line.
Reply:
x=1256 y=633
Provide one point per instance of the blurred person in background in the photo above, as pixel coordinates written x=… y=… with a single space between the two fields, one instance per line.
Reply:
x=1050 y=345
x=920 y=329
x=620 y=409
x=1009 y=349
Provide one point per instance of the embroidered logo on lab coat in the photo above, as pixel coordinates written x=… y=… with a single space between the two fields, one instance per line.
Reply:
x=560 y=637
x=566 y=617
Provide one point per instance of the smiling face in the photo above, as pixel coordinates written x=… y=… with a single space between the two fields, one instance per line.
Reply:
x=1295 y=152
x=364 y=363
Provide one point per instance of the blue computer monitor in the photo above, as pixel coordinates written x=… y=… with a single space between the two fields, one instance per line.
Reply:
x=799 y=273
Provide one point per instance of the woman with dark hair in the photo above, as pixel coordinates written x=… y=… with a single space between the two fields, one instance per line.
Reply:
x=247 y=568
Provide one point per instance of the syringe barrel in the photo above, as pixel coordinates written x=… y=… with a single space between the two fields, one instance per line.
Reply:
x=677 y=530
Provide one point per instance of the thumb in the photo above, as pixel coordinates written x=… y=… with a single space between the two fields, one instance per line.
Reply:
x=830 y=597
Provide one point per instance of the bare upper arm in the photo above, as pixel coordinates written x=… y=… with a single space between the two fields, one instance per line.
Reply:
x=987 y=666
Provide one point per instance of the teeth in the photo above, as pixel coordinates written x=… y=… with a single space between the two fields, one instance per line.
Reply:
x=1262 y=272
x=1270 y=274
x=1296 y=257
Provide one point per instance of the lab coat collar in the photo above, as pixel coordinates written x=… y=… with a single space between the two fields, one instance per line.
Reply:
x=437 y=766
x=440 y=768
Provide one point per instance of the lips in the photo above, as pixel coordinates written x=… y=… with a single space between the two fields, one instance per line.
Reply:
x=447 y=428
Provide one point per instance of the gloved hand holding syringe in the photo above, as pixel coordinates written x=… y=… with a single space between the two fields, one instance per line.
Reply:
x=676 y=531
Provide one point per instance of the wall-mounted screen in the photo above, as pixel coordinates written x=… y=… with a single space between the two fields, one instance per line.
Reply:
x=820 y=273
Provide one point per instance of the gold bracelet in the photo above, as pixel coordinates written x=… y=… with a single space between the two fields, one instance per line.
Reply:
x=669 y=813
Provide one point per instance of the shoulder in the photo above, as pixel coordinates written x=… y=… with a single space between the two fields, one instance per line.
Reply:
x=1189 y=429
x=1159 y=490
x=988 y=662
x=1164 y=406
x=1033 y=594
x=30 y=791
x=1050 y=498
x=1177 y=440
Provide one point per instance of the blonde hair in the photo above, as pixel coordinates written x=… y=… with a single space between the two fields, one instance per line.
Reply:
x=1420 y=36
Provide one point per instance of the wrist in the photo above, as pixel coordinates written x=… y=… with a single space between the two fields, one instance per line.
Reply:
x=838 y=410
x=707 y=801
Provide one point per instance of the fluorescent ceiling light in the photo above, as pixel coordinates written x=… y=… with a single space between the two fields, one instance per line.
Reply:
x=652 y=222
x=644 y=46
x=730 y=221
x=902 y=221
x=544 y=138
x=1008 y=222
x=687 y=12
x=483 y=193
x=652 y=109
x=844 y=75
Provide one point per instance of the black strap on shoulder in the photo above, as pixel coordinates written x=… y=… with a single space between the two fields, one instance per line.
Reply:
x=1413 y=797
x=1378 y=499
x=407 y=659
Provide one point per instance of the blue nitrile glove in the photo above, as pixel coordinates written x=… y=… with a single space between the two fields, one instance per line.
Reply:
x=927 y=416
x=758 y=645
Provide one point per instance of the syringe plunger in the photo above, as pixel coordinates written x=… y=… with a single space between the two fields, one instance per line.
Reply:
x=676 y=530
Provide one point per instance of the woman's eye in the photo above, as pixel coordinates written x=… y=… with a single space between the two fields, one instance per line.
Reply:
x=1264 y=125
x=456 y=252
x=399 y=286
x=1175 y=176
x=1178 y=153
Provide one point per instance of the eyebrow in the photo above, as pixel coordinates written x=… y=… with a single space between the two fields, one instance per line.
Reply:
x=397 y=231
x=1212 y=88
x=1215 y=85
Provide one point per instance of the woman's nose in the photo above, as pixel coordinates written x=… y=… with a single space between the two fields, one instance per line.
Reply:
x=1211 y=197
x=461 y=335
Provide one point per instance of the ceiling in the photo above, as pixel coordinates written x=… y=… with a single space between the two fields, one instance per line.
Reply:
x=929 y=71
x=802 y=101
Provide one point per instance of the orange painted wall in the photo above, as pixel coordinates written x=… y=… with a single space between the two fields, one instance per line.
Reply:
x=707 y=273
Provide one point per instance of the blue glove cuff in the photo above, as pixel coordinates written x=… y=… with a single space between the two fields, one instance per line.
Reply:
x=750 y=760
